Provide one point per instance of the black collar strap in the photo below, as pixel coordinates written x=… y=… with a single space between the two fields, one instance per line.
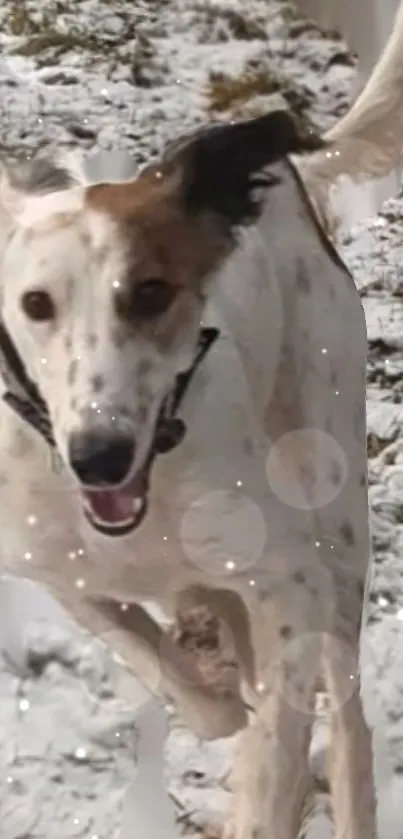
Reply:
x=21 y=393
x=23 y=396
x=170 y=428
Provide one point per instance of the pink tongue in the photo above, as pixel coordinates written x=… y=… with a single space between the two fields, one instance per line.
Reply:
x=112 y=506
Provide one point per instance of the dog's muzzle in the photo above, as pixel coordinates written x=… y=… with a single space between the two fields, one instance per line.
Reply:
x=116 y=510
x=112 y=511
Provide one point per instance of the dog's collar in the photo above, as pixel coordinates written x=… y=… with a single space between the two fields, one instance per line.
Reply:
x=24 y=397
x=20 y=392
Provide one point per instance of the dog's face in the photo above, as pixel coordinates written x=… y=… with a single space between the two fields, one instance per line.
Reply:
x=103 y=292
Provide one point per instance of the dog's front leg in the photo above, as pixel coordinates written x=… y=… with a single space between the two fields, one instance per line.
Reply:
x=271 y=776
x=163 y=667
x=351 y=763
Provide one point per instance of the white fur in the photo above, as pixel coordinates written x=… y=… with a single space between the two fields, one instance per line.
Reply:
x=298 y=574
x=367 y=143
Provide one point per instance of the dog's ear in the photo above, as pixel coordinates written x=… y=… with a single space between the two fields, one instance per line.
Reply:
x=218 y=166
x=42 y=174
x=11 y=197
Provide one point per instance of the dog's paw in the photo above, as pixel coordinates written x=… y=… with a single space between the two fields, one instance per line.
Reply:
x=204 y=637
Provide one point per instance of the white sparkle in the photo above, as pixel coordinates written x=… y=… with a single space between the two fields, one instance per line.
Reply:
x=158 y=174
x=44 y=360
x=32 y=520
x=382 y=601
x=239 y=483
x=317 y=544
x=80 y=583
x=124 y=607
x=81 y=753
x=252 y=582
x=399 y=615
x=94 y=405
x=24 y=705
x=104 y=91
x=28 y=555
x=337 y=392
x=80 y=552
x=72 y=555
x=116 y=284
x=230 y=565
x=324 y=351
x=117 y=735
x=76 y=821
x=165 y=538
x=10 y=779
x=260 y=687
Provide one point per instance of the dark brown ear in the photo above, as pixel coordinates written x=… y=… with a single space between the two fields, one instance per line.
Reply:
x=219 y=165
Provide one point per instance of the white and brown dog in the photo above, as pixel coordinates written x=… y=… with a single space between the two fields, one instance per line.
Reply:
x=194 y=350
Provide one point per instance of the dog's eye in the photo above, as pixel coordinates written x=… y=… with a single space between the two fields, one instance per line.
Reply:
x=38 y=305
x=151 y=298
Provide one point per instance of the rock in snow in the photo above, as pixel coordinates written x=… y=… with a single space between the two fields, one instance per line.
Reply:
x=132 y=76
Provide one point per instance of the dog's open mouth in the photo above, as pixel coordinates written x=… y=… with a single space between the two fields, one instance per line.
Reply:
x=117 y=511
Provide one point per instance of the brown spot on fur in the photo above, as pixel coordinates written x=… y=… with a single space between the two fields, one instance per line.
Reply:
x=333 y=378
x=363 y=480
x=97 y=383
x=144 y=367
x=72 y=372
x=302 y=278
x=85 y=238
x=286 y=631
x=347 y=534
x=92 y=340
x=299 y=577
x=335 y=473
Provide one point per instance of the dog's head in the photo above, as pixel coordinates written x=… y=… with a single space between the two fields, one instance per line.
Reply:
x=103 y=288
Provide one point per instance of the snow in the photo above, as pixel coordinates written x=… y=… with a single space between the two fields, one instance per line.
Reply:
x=73 y=737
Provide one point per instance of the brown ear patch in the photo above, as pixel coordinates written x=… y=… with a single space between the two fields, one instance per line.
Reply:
x=125 y=200
x=179 y=217
x=161 y=239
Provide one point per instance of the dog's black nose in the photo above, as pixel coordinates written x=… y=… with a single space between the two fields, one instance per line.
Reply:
x=99 y=459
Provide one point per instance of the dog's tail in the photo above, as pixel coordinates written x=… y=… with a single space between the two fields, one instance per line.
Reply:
x=367 y=143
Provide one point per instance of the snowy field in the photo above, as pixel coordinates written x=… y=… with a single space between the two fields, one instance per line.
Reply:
x=132 y=75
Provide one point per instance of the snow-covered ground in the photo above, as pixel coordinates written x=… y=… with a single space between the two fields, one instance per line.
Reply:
x=132 y=75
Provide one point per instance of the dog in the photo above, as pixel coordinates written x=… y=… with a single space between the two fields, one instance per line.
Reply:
x=183 y=421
